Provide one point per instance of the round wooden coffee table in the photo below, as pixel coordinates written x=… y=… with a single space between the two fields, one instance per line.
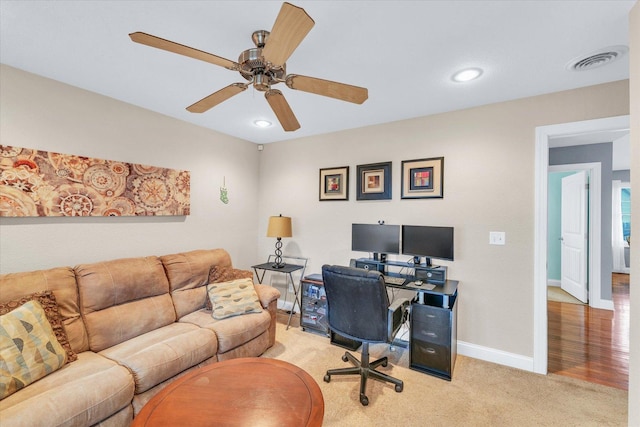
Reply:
x=239 y=392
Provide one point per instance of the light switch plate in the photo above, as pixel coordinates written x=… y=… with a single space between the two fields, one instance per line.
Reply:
x=497 y=238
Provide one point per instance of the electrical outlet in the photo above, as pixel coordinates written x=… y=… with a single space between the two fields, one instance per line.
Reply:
x=497 y=238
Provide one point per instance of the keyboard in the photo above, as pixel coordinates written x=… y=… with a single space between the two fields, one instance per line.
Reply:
x=394 y=280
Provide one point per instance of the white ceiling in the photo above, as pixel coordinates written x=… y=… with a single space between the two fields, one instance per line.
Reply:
x=404 y=52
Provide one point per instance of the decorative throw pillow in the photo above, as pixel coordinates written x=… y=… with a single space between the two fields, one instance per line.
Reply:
x=233 y=298
x=219 y=274
x=28 y=348
x=50 y=306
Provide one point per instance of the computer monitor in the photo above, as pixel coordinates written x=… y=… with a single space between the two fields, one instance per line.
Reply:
x=427 y=241
x=379 y=239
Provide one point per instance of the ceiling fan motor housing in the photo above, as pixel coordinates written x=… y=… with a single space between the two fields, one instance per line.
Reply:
x=253 y=67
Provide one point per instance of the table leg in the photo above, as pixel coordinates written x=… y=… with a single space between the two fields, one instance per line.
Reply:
x=258 y=276
x=295 y=301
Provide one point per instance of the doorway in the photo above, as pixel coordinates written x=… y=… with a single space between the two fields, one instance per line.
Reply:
x=544 y=141
x=592 y=257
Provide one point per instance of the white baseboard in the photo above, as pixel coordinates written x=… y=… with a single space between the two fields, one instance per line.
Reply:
x=604 y=304
x=593 y=303
x=553 y=282
x=285 y=305
x=495 y=356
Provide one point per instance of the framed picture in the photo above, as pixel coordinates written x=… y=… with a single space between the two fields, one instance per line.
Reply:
x=423 y=178
x=374 y=181
x=334 y=183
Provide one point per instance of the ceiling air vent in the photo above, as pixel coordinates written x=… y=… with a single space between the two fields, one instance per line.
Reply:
x=597 y=59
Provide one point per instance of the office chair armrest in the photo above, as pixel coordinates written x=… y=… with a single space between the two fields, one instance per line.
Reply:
x=396 y=316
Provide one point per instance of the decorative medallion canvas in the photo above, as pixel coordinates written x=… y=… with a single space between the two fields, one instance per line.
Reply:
x=42 y=183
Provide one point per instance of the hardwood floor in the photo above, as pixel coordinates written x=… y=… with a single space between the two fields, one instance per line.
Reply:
x=591 y=344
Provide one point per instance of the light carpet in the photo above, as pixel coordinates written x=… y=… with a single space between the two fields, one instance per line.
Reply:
x=555 y=293
x=480 y=394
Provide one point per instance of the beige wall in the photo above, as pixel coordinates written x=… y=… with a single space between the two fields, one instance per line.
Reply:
x=634 y=333
x=39 y=113
x=488 y=186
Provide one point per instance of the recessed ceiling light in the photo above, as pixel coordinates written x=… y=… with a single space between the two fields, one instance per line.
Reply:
x=466 y=75
x=262 y=123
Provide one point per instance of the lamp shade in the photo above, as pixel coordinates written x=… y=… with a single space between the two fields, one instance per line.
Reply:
x=279 y=226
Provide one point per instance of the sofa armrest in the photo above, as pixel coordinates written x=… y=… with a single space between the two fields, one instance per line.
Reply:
x=267 y=294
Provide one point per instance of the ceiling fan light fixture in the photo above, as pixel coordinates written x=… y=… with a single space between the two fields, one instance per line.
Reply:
x=466 y=75
x=262 y=123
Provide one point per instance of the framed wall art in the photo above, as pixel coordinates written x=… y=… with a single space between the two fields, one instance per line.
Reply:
x=334 y=183
x=374 y=181
x=423 y=178
x=37 y=183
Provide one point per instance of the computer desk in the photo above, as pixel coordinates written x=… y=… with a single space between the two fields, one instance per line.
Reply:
x=432 y=329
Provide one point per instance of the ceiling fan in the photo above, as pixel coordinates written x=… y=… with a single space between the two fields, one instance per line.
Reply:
x=265 y=66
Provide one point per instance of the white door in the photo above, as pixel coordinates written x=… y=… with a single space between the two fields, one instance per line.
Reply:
x=574 y=235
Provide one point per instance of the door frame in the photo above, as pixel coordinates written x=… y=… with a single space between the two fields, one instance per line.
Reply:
x=543 y=136
x=595 y=225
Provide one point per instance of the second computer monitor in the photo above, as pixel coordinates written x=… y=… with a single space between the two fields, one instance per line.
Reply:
x=427 y=241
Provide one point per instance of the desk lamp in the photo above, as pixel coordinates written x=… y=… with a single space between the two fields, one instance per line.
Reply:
x=279 y=227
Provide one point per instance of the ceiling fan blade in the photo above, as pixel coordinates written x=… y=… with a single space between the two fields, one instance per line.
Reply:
x=341 y=91
x=157 y=42
x=291 y=27
x=216 y=98
x=280 y=106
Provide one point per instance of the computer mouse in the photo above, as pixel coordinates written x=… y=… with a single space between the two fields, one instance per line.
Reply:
x=418 y=282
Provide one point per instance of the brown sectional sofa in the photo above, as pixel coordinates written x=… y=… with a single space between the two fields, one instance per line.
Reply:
x=136 y=324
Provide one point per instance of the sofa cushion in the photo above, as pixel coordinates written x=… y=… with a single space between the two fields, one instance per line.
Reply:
x=188 y=274
x=162 y=353
x=47 y=300
x=29 y=349
x=219 y=273
x=233 y=298
x=141 y=399
x=62 y=281
x=122 y=299
x=84 y=392
x=231 y=332
x=253 y=348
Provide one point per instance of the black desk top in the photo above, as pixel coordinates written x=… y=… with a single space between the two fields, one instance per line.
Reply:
x=450 y=287
x=286 y=268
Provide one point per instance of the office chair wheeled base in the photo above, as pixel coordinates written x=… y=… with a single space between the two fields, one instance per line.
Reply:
x=365 y=370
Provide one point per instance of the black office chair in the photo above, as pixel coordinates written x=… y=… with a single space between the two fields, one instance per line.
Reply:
x=358 y=308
